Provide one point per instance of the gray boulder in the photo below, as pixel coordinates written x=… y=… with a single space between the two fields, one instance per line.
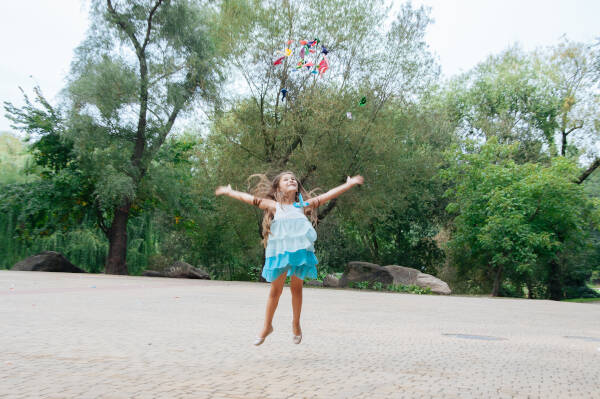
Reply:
x=331 y=281
x=364 y=271
x=179 y=270
x=408 y=276
x=313 y=283
x=437 y=286
x=47 y=261
x=392 y=274
x=402 y=275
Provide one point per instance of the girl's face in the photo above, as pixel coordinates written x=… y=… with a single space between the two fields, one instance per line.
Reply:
x=288 y=184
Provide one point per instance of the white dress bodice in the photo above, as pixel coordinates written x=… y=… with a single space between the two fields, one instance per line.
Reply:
x=288 y=211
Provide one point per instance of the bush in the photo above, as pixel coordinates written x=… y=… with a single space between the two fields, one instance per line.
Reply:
x=411 y=289
x=580 y=292
x=378 y=286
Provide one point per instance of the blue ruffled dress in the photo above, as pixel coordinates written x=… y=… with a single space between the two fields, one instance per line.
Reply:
x=290 y=247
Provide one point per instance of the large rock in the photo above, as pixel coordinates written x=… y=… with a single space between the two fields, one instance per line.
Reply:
x=437 y=286
x=364 y=271
x=392 y=274
x=313 y=283
x=408 y=276
x=47 y=261
x=179 y=270
x=403 y=275
x=331 y=281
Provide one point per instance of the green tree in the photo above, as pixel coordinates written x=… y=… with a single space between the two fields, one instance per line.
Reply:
x=14 y=160
x=60 y=196
x=322 y=133
x=505 y=97
x=568 y=67
x=545 y=100
x=514 y=217
x=142 y=65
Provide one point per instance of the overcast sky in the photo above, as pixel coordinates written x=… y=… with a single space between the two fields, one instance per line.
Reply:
x=37 y=37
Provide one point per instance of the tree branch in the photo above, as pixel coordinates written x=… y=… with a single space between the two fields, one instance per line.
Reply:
x=309 y=172
x=579 y=126
x=100 y=217
x=588 y=171
x=126 y=27
x=290 y=150
x=166 y=74
x=147 y=39
x=322 y=214
x=140 y=141
x=190 y=86
x=245 y=149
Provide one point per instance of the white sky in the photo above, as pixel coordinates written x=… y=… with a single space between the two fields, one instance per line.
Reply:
x=37 y=37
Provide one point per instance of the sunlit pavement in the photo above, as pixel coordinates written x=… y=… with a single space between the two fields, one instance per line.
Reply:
x=98 y=336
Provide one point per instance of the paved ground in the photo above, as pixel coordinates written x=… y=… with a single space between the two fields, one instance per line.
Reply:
x=97 y=336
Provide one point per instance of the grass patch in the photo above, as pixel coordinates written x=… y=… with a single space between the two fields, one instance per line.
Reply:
x=377 y=286
x=582 y=300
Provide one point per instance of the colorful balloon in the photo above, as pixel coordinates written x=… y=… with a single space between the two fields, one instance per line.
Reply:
x=323 y=65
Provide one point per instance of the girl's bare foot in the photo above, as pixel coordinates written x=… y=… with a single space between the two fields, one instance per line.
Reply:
x=260 y=339
x=266 y=331
x=296 y=329
x=297 y=338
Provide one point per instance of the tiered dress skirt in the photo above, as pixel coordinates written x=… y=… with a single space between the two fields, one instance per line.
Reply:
x=291 y=250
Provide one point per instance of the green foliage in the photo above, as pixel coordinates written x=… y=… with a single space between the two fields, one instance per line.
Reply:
x=544 y=100
x=411 y=289
x=140 y=66
x=391 y=141
x=85 y=246
x=361 y=285
x=378 y=286
x=60 y=195
x=14 y=160
x=516 y=222
x=582 y=300
x=513 y=219
x=506 y=97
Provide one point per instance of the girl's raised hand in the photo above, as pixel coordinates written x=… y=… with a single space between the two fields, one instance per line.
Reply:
x=358 y=179
x=223 y=190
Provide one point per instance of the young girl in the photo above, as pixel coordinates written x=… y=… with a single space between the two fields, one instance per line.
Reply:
x=288 y=236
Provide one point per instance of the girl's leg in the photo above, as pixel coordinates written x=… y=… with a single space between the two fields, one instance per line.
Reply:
x=296 y=288
x=272 y=301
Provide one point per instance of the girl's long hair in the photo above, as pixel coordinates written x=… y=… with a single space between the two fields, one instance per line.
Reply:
x=268 y=188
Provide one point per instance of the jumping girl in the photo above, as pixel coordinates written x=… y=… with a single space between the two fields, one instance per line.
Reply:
x=288 y=236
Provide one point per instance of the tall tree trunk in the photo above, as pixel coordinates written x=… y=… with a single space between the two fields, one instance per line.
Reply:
x=116 y=263
x=554 y=281
x=530 y=294
x=497 y=281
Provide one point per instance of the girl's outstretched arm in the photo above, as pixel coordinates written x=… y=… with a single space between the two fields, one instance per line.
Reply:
x=335 y=192
x=262 y=203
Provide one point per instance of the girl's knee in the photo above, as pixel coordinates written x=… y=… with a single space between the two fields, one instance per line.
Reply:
x=296 y=282
x=296 y=286
x=275 y=292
